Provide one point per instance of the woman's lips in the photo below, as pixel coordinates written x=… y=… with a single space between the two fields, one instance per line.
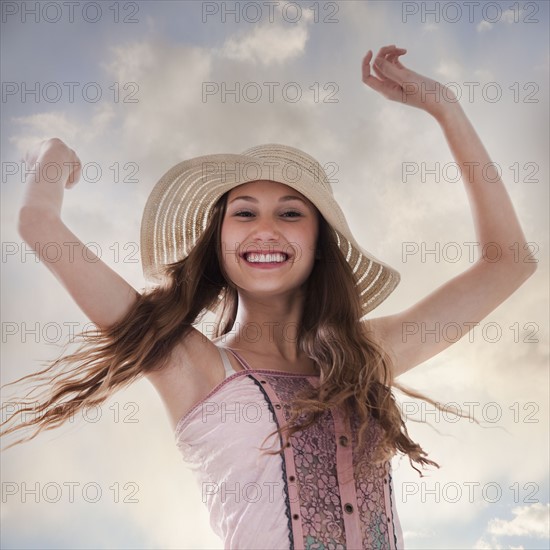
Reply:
x=262 y=264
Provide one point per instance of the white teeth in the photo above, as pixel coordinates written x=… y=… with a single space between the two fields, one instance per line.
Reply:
x=264 y=258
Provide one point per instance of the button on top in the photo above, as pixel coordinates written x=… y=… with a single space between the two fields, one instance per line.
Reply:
x=343 y=441
x=277 y=406
x=348 y=508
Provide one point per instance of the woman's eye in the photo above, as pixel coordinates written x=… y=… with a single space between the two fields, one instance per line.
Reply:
x=247 y=213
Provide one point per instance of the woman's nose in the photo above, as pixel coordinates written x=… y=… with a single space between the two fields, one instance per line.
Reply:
x=265 y=228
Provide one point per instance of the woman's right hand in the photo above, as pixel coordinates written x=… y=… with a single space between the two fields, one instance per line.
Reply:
x=55 y=151
x=51 y=168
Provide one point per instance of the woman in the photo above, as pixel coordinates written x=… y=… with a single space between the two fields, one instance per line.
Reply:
x=258 y=239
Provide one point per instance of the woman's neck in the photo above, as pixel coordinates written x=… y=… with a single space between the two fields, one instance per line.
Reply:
x=268 y=327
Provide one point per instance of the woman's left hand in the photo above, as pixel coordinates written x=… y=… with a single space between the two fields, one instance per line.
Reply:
x=397 y=83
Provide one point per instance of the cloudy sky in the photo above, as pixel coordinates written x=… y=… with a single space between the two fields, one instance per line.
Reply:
x=135 y=87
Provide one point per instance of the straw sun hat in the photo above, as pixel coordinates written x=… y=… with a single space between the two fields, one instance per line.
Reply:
x=178 y=209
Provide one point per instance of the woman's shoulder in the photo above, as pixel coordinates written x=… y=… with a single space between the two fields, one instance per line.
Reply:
x=193 y=368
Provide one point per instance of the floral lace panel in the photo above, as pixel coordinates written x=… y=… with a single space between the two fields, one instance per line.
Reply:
x=317 y=480
x=371 y=480
x=321 y=510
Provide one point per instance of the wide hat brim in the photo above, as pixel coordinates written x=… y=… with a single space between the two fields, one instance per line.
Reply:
x=179 y=206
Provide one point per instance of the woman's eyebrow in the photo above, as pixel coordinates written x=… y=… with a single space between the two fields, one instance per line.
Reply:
x=253 y=199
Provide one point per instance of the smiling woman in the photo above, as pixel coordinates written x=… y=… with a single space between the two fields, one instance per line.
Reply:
x=276 y=234
x=273 y=251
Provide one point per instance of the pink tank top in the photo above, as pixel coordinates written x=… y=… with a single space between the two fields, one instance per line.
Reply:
x=320 y=495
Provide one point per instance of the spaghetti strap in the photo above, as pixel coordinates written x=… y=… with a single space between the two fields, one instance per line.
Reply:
x=240 y=359
x=229 y=370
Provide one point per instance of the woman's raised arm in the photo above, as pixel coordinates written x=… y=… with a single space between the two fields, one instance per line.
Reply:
x=100 y=293
x=470 y=296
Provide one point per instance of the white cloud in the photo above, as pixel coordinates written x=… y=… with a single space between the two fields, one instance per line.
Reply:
x=430 y=27
x=131 y=61
x=59 y=124
x=484 y=75
x=267 y=45
x=450 y=70
x=270 y=43
x=532 y=521
x=482 y=544
x=484 y=26
x=170 y=79
x=510 y=16
x=422 y=534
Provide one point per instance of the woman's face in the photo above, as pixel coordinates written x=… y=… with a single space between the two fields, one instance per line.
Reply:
x=268 y=238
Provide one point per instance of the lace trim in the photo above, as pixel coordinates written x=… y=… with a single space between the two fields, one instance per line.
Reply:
x=391 y=503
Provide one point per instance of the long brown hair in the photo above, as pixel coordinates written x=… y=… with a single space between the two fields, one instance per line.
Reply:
x=355 y=372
